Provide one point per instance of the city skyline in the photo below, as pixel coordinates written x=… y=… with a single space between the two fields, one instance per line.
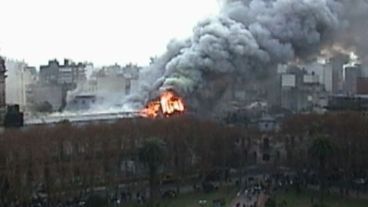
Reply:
x=101 y=32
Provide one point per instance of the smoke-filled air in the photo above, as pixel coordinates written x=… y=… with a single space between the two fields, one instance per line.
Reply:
x=248 y=39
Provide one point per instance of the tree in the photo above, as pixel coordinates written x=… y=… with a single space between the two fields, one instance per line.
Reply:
x=270 y=203
x=152 y=155
x=321 y=150
x=4 y=189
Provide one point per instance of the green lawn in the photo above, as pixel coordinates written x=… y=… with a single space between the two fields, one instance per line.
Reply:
x=304 y=200
x=191 y=199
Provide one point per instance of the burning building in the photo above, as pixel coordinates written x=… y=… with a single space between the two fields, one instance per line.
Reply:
x=248 y=39
x=168 y=104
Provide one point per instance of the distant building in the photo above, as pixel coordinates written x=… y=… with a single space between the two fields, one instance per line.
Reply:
x=10 y=115
x=117 y=79
x=266 y=149
x=2 y=90
x=318 y=69
x=267 y=123
x=348 y=103
x=82 y=102
x=68 y=74
x=106 y=86
x=2 y=83
x=300 y=91
x=38 y=95
x=362 y=86
x=337 y=64
x=19 y=76
x=58 y=78
x=328 y=78
x=351 y=75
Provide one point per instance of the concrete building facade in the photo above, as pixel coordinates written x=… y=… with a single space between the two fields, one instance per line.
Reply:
x=19 y=76
x=337 y=64
x=300 y=91
x=351 y=75
x=55 y=80
x=69 y=73
x=362 y=86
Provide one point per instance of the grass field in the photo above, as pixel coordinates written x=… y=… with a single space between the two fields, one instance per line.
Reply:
x=304 y=200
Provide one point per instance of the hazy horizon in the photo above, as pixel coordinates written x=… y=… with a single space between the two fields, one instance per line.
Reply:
x=101 y=32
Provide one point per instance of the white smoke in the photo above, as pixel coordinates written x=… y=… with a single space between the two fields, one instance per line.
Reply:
x=249 y=38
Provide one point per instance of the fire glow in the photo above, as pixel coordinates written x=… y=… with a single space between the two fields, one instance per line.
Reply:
x=167 y=105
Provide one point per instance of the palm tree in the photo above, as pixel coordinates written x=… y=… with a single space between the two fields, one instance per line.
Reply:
x=320 y=151
x=152 y=155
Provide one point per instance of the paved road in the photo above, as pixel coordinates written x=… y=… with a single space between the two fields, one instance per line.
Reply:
x=242 y=200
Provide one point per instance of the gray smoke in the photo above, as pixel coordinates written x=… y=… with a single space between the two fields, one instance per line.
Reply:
x=249 y=38
x=355 y=28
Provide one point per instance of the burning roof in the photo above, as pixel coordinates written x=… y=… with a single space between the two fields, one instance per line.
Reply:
x=248 y=39
x=166 y=105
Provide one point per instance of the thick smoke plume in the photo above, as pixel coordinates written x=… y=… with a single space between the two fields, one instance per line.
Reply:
x=249 y=38
x=355 y=28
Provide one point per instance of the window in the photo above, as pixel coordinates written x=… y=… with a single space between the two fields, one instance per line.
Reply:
x=266 y=157
x=255 y=156
x=278 y=155
x=266 y=143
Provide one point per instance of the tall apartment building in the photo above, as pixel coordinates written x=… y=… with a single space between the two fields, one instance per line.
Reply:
x=362 y=86
x=55 y=81
x=301 y=91
x=68 y=74
x=19 y=76
x=351 y=75
x=337 y=64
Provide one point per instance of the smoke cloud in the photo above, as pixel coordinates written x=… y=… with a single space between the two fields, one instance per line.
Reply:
x=249 y=38
x=355 y=28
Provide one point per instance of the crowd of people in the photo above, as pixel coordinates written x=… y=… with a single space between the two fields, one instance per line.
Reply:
x=256 y=191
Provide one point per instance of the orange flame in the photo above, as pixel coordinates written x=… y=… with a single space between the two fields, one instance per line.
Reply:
x=167 y=105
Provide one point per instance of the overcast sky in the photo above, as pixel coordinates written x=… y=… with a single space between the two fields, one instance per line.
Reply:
x=100 y=31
